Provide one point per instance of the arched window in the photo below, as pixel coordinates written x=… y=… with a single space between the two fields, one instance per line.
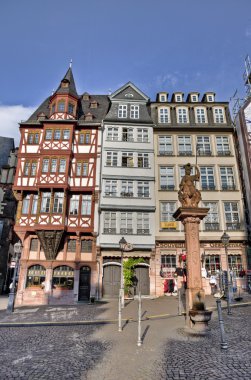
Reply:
x=35 y=276
x=63 y=277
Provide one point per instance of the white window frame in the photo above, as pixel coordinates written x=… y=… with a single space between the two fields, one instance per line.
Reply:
x=143 y=160
x=143 y=189
x=227 y=178
x=127 y=134
x=210 y=98
x=211 y=221
x=143 y=135
x=58 y=203
x=182 y=115
x=162 y=98
x=166 y=178
x=126 y=223
x=223 y=146
x=122 y=111
x=200 y=115
x=110 y=188
x=207 y=178
x=134 y=111
x=45 y=202
x=204 y=146
x=185 y=142
x=126 y=188
x=219 y=115
x=232 y=216
x=127 y=160
x=178 y=98
x=164 y=115
x=111 y=158
x=143 y=223
x=74 y=204
x=165 y=145
x=110 y=222
x=112 y=134
x=166 y=211
x=194 y=98
x=86 y=204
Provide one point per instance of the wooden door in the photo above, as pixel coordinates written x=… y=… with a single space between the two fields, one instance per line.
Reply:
x=84 y=284
x=142 y=280
x=111 y=281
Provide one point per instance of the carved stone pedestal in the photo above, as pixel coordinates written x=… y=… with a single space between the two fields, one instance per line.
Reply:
x=195 y=295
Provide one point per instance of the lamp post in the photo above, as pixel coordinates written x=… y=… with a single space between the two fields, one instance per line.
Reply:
x=225 y=241
x=17 y=254
x=122 y=245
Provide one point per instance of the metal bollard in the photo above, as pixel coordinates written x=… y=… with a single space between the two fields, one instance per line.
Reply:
x=139 y=342
x=120 y=315
x=224 y=345
x=179 y=302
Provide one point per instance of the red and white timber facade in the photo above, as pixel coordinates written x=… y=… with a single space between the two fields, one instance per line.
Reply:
x=57 y=188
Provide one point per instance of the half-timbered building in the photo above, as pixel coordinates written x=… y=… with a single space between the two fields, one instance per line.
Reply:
x=57 y=188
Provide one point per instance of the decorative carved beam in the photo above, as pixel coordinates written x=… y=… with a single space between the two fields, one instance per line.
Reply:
x=50 y=241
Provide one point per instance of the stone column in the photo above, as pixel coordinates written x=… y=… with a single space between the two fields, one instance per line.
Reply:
x=190 y=218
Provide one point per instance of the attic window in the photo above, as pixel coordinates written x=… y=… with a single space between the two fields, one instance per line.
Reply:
x=71 y=108
x=65 y=84
x=162 y=98
x=88 y=116
x=178 y=98
x=210 y=98
x=41 y=116
x=86 y=96
x=129 y=95
x=94 y=104
x=61 y=106
x=194 y=98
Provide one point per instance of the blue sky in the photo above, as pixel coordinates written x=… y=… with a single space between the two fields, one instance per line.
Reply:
x=181 y=45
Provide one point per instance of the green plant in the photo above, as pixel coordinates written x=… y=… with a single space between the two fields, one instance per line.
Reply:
x=128 y=272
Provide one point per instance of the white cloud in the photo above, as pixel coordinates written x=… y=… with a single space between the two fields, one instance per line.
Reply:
x=10 y=116
x=167 y=79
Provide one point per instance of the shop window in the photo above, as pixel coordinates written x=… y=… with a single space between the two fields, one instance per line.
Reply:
x=168 y=265
x=235 y=264
x=35 y=275
x=212 y=264
x=63 y=277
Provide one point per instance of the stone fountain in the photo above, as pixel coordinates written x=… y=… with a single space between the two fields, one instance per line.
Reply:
x=190 y=215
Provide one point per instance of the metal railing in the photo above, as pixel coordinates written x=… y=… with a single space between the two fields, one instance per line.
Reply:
x=212 y=226
x=233 y=226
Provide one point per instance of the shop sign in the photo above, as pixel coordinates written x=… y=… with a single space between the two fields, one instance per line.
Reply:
x=167 y=225
x=170 y=245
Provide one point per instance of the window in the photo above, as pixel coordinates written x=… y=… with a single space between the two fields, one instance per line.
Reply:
x=200 y=115
x=168 y=265
x=127 y=134
x=86 y=205
x=227 y=178
x=35 y=275
x=162 y=98
x=235 y=264
x=203 y=146
x=34 y=245
x=126 y=223
x=127 y=189
x=27 y=168
x=178 y=98
x=66 y=134
x=165 y=145
x=166 y=215
x=34 y=204
x=48 y=134
x=166 y=178
x=110 y=223
x=127 y=159
x=58 y=203
x=207 y=178
x=85 y=138
x=111 y=188
x=222 y=146
x=112 y=134
x=143 y=160
x=210 y=98
x=142 y=135
x=185 y=145
x=45 y=202
x=212 y=264
x=45 y=165
x=26 y=204
x=211 y=221
x=194 y=98
x=143 y=227
x=232 y=215
x=53 y=108
x=33 y=138
x=74 y=204
x=219 y=115
x=63 y=277
x=122 y=112
x=70 y=108
x=57 y=134
x=143 y=190
x=134 y=112
x=62 y=165
x=163 y=115
x=182 y=115
x=82 y=168
x=33 y=169
x=61 y=106
x=86 y=246
x=54 y=162
x=71 y=245
x=112 y=159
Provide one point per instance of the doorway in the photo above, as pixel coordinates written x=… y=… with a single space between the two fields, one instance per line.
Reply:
x=84 y=284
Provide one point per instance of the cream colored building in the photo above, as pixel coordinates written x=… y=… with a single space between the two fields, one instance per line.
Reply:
x=198 y=131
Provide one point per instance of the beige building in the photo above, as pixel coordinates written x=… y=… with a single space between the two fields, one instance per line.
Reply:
x=198 y=131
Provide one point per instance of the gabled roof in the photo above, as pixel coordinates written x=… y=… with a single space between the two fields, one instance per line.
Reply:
x=128 y=92
x=71 y=88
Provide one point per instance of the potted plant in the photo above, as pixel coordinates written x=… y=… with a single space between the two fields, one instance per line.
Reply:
x=129 y=274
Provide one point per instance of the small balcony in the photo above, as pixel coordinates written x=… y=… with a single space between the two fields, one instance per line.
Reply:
x=226 y=187
x=233 y=226
x=110 y=194
x=165 y=153
x=167 y=187
x=125 y=194
x=126 y=231
x=185 y=153
x=111 y=231
x=143 y=195
x=207 y=187
x=144 y=231
x=212 y=226
x=223 y=153
x=204 y=152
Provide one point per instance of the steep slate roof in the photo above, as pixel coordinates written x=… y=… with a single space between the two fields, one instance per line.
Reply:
x=6 y=145
x=71 y=89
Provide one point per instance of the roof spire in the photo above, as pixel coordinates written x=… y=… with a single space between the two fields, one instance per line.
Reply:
x=70 y=63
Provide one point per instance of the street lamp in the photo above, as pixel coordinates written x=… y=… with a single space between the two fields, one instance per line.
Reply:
x=122 y=245
x=17 y=254
x=225 y=241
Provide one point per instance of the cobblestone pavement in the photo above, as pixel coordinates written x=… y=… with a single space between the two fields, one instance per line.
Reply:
x=92 y=352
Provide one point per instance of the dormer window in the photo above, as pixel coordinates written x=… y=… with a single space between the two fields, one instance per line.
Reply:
x=178 y=98
x=134 y=112
x=61 y=106
x=71 y=108
x=65 y=84
x=122 y=111
x=162 y=98
x=210 y=98
x=94 y=104
x=194 y=98
x=53 y=108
